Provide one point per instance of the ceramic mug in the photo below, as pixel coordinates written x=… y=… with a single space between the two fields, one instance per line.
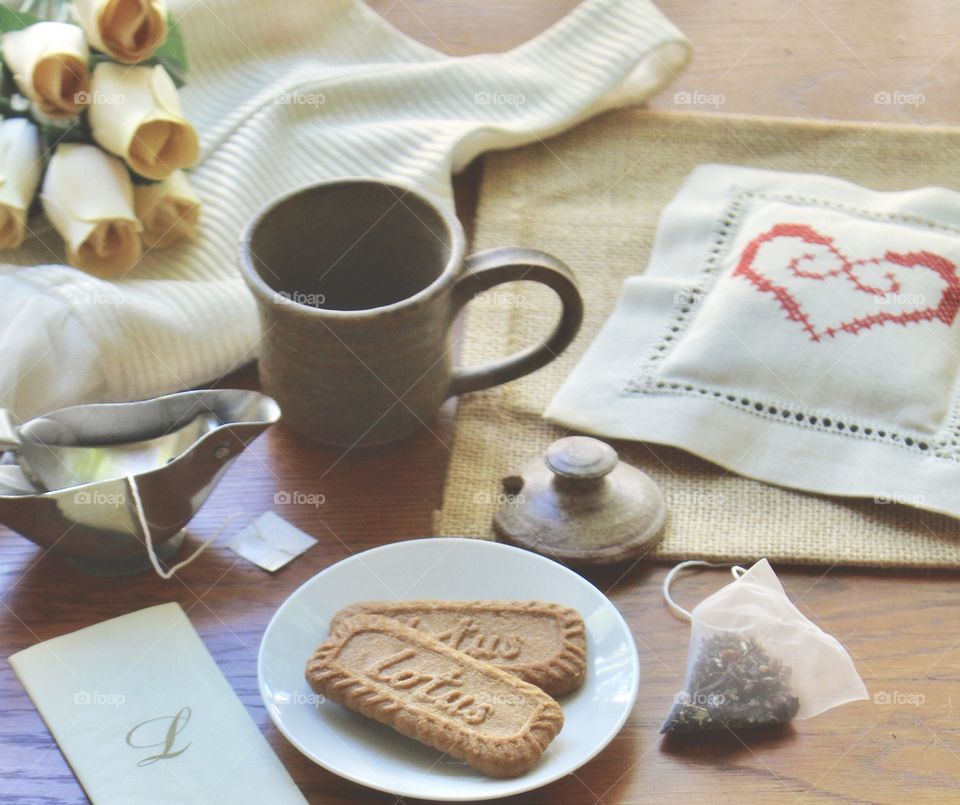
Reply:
x=358 y=282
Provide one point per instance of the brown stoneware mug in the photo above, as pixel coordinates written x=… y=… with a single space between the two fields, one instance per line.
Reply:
x=358 y=282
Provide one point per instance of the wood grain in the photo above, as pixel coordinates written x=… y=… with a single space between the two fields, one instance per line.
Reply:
x=803 y=58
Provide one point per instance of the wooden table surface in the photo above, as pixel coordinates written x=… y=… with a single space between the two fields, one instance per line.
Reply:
x=826 y=58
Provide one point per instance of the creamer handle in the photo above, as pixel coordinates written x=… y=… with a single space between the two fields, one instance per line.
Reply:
x=9 y=437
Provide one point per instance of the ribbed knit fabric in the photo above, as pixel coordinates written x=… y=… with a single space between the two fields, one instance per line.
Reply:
x=284 y=96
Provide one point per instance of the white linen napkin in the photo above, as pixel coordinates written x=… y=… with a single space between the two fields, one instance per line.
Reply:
x=793 y=328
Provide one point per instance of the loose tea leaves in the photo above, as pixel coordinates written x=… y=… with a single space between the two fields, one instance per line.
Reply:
x=734 y=683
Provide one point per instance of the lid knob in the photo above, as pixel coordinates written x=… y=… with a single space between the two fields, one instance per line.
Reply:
x=580 y=458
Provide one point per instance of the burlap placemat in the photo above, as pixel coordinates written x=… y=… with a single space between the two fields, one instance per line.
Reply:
x=592 y=197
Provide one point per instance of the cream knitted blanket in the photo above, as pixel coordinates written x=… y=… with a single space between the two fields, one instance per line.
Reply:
x=283 y=96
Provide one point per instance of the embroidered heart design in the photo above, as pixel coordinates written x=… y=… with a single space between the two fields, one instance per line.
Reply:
x=827 y=292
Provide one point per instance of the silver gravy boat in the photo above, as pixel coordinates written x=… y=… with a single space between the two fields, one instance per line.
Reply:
x=64 y=475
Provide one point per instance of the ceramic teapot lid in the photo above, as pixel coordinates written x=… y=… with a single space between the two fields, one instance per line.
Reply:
x=580 y=504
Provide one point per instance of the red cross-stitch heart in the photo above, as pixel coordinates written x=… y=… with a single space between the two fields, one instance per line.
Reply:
x=851 y=276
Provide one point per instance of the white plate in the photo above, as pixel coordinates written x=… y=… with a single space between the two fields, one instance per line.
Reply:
x=373 y=754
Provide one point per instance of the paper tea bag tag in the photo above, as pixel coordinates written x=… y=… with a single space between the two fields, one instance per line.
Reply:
x=755 y=659
x=271 y=542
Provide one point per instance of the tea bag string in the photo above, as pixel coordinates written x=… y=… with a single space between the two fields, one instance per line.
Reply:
x=148 y=536
x=674 y=607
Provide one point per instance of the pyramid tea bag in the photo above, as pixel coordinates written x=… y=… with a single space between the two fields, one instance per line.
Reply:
x=755 y=659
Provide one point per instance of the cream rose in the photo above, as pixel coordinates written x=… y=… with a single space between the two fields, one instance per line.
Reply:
x=49 y=63
x=128 y=30
x=168 y=211
x=88 y=197
x=20 y=169
x=136 y=114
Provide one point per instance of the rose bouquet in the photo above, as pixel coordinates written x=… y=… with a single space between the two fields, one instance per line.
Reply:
x=91 y=118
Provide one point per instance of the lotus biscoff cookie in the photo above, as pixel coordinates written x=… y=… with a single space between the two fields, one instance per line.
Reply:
x=541 y=643
x=444 y=698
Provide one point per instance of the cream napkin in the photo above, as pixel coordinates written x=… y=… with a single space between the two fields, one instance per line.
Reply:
x=143 y=714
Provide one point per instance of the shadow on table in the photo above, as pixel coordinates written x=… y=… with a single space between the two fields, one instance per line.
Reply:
x=722 y=745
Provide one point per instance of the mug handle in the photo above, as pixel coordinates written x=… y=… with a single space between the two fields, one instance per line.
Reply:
x=492 y=267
